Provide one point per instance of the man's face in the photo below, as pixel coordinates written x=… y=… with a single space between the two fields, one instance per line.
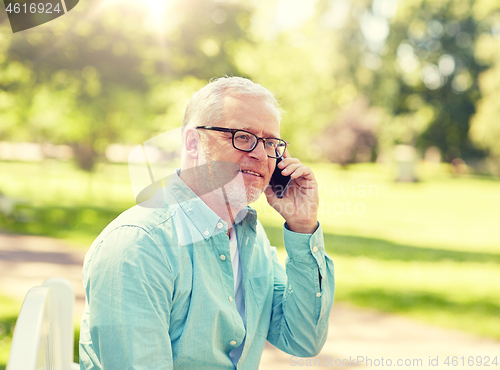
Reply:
x=258 y=117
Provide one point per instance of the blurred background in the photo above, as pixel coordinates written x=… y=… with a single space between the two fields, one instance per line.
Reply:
x=394 y=104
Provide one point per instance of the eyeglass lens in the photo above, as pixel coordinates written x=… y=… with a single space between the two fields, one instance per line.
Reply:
x=246 y=141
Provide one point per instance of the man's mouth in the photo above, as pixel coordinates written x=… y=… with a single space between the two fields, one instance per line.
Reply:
x=251 y=173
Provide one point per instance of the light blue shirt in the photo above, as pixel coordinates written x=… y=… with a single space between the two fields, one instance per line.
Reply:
x=160 y=290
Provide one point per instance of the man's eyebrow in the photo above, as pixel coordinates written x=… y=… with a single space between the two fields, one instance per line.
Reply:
x=265 y=134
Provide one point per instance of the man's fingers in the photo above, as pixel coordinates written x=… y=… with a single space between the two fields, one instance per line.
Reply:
x=297 y=170
x=291 y=168
x=287 y=161
x=301 y=172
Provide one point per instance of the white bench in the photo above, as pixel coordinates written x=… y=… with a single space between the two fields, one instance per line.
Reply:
x=44 y=334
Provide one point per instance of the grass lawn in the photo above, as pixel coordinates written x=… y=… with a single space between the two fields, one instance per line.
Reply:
x=9 y=308
x=54 y=199
x=428 y=250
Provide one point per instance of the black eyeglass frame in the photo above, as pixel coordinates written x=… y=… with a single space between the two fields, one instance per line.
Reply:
x=233 y=131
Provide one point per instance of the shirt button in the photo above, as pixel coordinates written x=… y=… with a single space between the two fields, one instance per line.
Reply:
x=318 y=294
x=315 y=249
x=230 y=299
x=219 y=225
x=222 y=257
x=206 y=232
x=233 y=343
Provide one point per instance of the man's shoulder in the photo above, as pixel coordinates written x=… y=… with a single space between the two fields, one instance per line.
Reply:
x=136 y=237
x=145 y=218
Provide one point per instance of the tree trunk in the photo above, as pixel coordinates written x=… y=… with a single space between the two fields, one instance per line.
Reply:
x=85 y=156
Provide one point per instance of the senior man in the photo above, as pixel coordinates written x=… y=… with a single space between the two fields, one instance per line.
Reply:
x=195 y=284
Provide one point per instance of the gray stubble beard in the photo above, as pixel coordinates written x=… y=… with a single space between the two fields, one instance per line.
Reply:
x=238 y=195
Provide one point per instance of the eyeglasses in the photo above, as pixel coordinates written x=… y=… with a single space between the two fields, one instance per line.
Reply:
x=246 y=141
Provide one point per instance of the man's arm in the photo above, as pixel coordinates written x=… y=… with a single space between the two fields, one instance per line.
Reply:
x=129 y=286
x=303 y=296
x=301 y=307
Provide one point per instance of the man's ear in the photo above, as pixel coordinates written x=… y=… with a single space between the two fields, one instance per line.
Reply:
x=192 y=142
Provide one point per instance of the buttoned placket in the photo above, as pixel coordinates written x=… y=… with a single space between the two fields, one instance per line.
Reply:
x=245 y=243
x=224 y=257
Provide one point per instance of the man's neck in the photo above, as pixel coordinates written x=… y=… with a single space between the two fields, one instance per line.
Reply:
x=222 y=209
x=215 y=200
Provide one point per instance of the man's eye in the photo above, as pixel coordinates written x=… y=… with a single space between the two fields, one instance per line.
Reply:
x=243 y=137
x=271 y=143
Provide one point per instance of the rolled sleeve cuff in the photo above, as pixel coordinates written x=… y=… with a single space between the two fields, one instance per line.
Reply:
x=305 y=247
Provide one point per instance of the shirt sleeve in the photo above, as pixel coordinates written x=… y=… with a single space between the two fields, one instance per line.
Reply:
x=301 y=306
x=129 y=286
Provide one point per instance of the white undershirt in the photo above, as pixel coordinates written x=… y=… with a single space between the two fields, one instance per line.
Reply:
x=239 y=298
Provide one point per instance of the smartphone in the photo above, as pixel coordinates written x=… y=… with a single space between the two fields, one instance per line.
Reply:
x=279 y=183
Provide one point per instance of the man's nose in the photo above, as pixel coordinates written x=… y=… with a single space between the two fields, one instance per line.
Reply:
x=259 y=151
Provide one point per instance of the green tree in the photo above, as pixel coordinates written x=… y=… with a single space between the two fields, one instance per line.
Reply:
x=99 y=75
x=485 y=131
x=418 y=63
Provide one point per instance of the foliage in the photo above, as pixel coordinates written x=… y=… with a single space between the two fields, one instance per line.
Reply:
x=75 y=205
x=485 y=131
x=9 y=309
x=81 y=222
x=113 y=72
x=353 y=138
x=291 y=66
x=92 y=82
x=418 y=60
x=443 y=38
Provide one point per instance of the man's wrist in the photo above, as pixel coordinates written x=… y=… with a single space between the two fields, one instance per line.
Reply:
x=303 y=228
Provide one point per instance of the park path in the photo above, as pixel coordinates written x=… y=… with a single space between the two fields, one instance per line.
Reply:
x=354 y=334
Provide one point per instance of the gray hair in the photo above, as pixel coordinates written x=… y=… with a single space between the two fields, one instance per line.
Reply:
x=206 y=105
